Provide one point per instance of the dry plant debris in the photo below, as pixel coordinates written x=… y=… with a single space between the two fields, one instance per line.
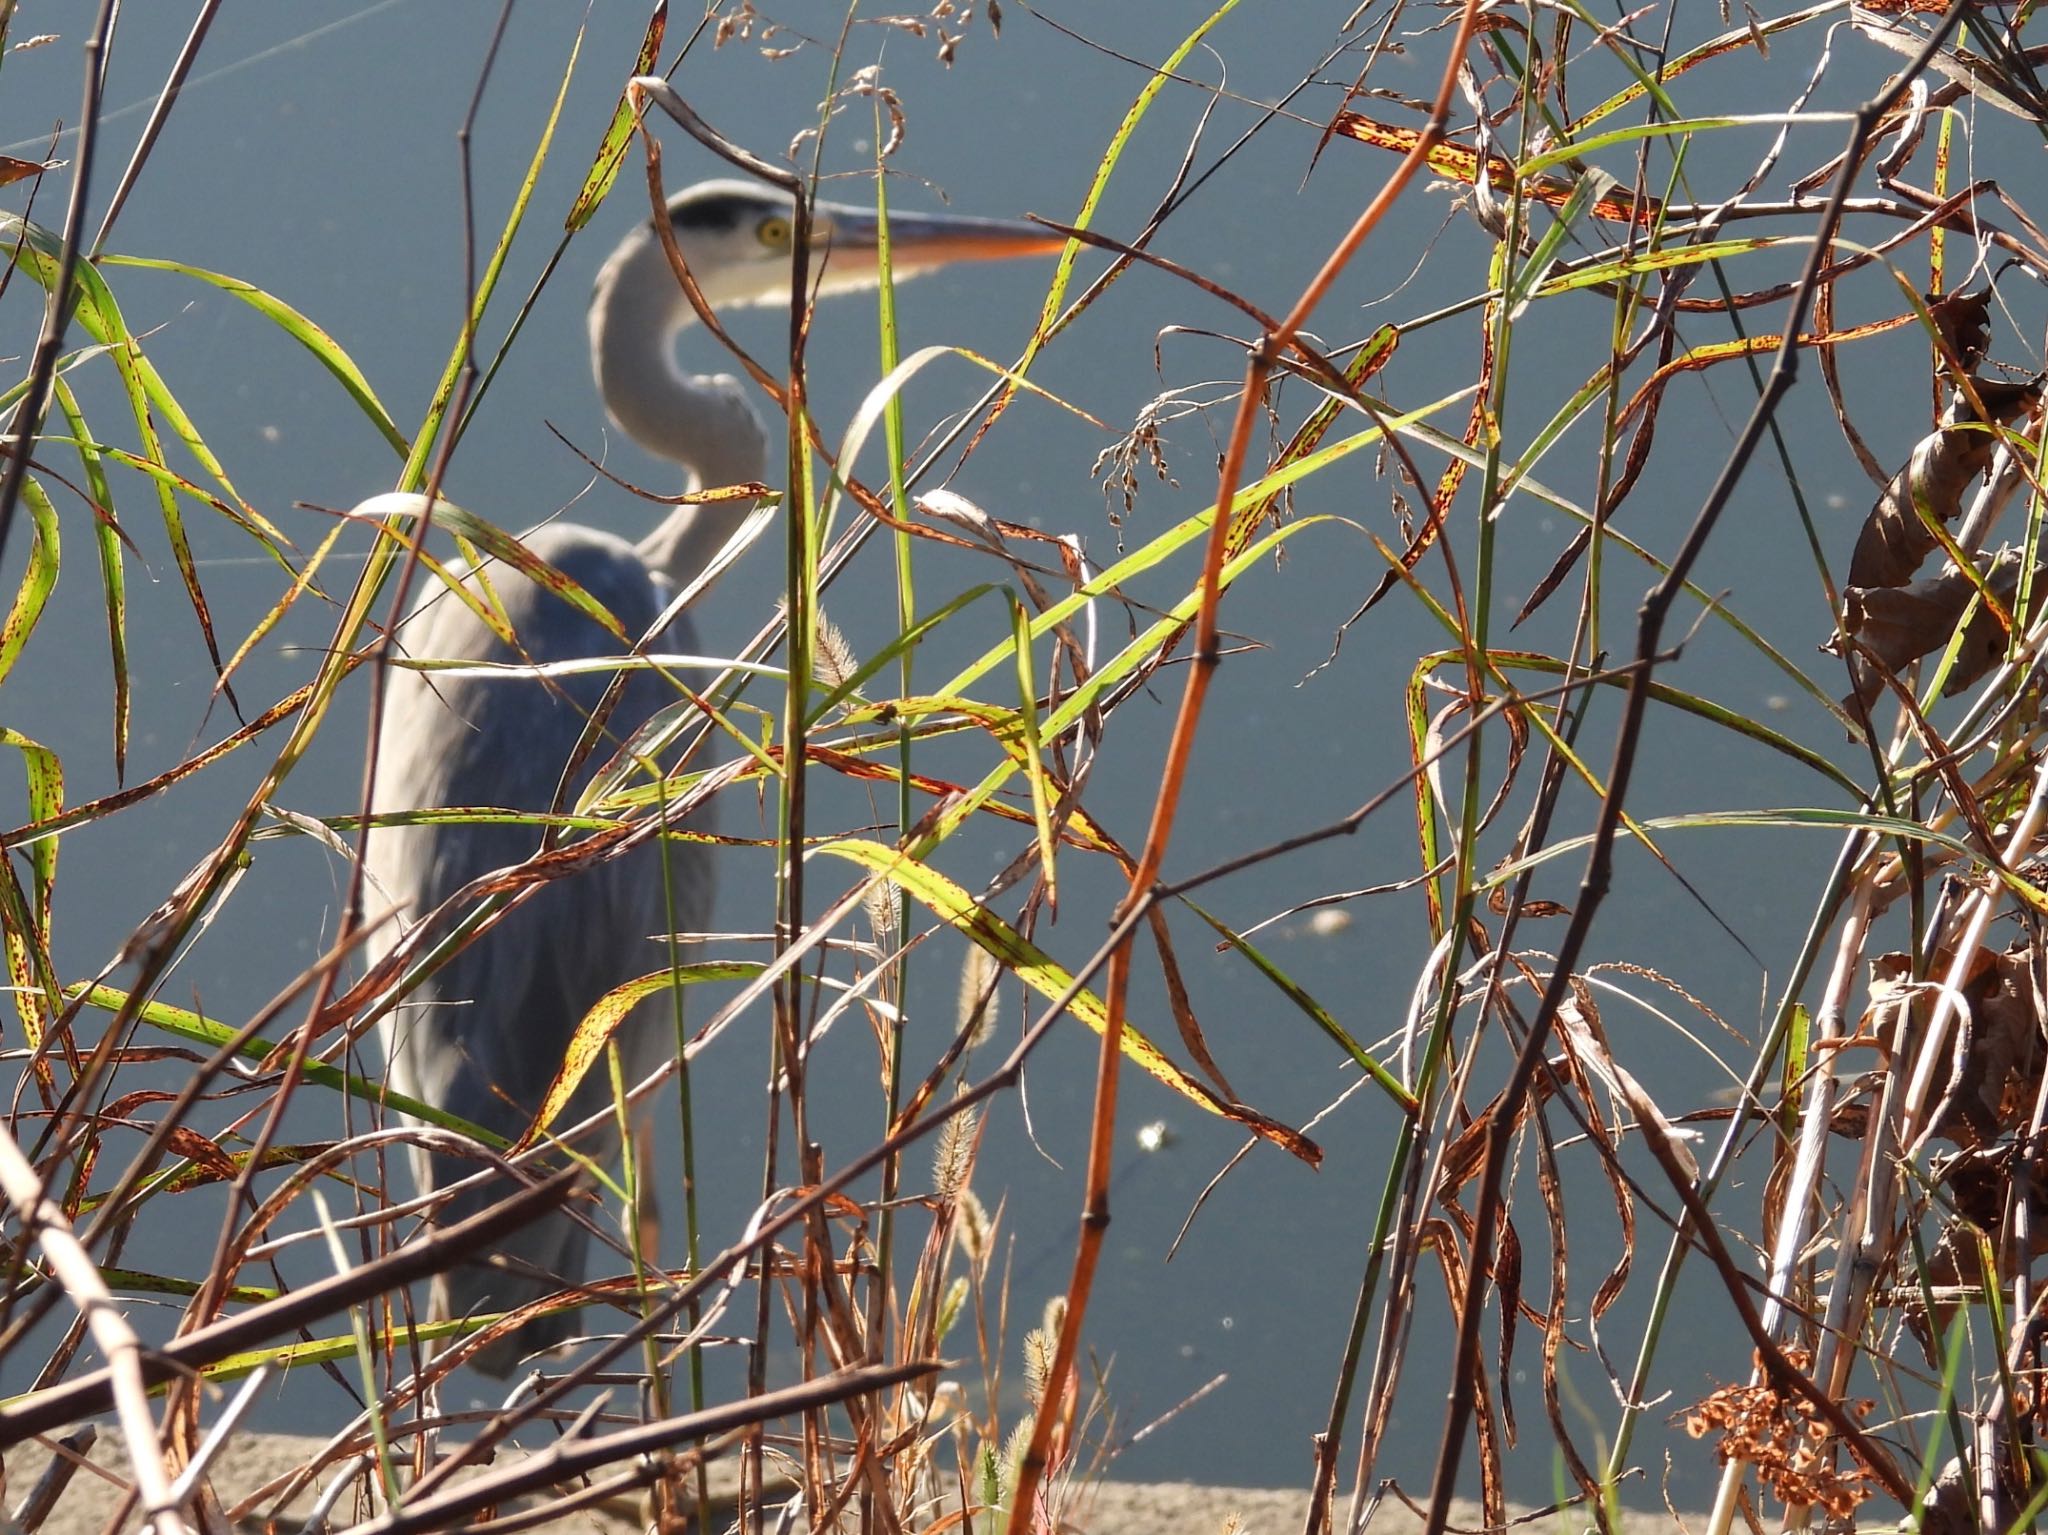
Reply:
x=1781 y=1438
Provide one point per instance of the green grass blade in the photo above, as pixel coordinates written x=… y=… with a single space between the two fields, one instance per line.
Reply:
x=38 y=581
x=1314 y=1010
x=113 y=570
x=325 y=349
x=611 y=151
x=180 y=1024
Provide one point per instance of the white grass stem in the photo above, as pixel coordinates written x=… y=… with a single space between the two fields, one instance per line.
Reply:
x=80 y=1277
x=1808 y=1163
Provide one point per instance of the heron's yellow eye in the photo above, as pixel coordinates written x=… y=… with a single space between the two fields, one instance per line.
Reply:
x=773 y=231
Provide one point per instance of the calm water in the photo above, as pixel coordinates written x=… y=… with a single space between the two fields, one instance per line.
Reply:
x=323 y=167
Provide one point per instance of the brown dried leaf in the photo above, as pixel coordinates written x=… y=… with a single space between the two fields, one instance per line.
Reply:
x=1964 y=320
x=1507 y=1282
x=1950 y=1507
x=1459 y=162
x=13 y=170
x=1896 y=625
x=2002 y=1064
x=1895 y=540
x=1183 y=1008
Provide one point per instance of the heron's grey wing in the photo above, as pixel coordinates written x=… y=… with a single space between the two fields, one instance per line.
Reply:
x=484 y=1036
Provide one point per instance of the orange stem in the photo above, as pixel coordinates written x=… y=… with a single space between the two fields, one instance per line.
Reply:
x=1102 y=1133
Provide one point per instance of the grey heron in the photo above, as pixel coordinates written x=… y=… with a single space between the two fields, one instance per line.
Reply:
x=482 y=1037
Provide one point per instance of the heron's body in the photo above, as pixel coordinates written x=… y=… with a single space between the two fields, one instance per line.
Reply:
x=484 y=1035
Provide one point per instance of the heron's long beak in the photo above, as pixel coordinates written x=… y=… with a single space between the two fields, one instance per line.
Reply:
x=922 y=242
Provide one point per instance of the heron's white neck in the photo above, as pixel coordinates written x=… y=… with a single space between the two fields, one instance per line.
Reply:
x=701 y=421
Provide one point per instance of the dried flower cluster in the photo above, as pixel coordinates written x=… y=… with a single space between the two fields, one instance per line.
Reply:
x=1785 y=1441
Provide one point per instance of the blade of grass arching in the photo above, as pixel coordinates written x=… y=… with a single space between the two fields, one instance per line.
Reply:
x=1063 y=269
x=26 y=922
x=1146 y=648
x=69 y=363
x=595 y=1029
x=1683 y=127
x=912 y=634
x=1033 y=761
x=38 y=580
x=414 y=474
x=1191 y=529
x=1528 y=278
x=180 y=1024
x=39 y=252
x=113 y=572
x=301 y=583
x=1702 y=708
x=1792 y=1081
x=1659 y=258
x=1427 y=809
x=137 y=1282
x=1755 y=35
x=1800 y=818
x=1043 y=974
x=1317 y=1014
x=327 y=1350
x=326 y=351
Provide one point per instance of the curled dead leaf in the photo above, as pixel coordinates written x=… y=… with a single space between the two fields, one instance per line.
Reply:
x=1895 y=539
x=1893 y=626
x=1964 y=321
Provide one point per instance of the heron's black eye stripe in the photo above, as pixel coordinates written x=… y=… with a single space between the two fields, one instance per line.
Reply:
x=725 y=211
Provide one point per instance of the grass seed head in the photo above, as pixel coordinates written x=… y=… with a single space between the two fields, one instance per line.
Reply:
x=977 y=1009
x=1039 y=1347
x=972 y=1222
x=953 y=1157
x=879 y=902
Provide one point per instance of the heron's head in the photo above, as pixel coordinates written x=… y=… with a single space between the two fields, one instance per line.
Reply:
x=735 y=237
